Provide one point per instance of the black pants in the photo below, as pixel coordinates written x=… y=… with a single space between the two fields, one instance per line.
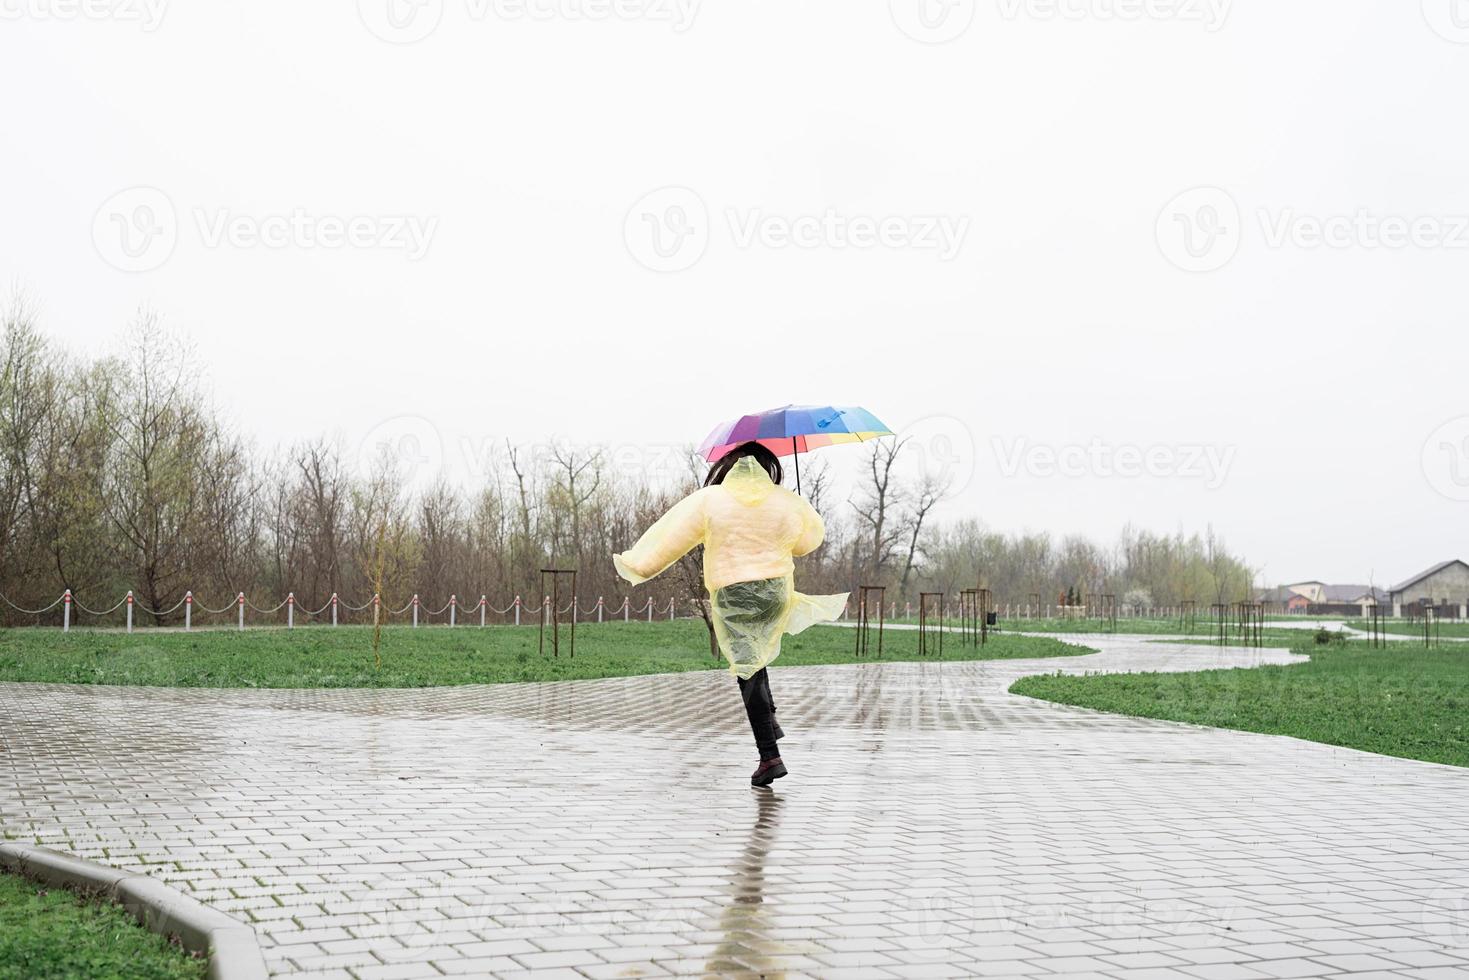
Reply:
x=760 y=707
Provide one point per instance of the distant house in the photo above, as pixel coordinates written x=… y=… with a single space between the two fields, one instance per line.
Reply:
x=1445 y=587
x=1322 y=599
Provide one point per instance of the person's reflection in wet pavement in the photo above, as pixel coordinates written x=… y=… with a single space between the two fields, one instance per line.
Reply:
x=744 y=921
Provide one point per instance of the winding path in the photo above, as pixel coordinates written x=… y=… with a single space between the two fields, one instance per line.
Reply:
x=933 y=825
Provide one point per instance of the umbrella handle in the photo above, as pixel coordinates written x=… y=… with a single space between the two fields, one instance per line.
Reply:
x=796 y=455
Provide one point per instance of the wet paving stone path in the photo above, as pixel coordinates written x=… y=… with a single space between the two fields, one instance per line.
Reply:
x=932 y=825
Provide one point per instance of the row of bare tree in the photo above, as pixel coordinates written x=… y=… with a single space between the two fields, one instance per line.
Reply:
x=117 y=474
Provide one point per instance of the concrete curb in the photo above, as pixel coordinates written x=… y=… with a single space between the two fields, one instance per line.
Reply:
x=230 y=945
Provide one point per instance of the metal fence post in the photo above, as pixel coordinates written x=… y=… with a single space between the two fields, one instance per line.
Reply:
x=290 y=610
x=517 y=610
x=66 y=611
x=626 y=607
x=650 y=609
x=483 y=601
x=130 y=610
x=453 y=608
x=334 y=609
x=188 y=611
x=599 y=609
x=241 y=601
x=415 y=610
x=670 y=610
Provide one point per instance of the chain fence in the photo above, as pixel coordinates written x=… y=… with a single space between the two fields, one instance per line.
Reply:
x=68 y=610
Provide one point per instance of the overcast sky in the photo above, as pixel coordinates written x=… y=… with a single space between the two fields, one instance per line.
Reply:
x=1168 y=262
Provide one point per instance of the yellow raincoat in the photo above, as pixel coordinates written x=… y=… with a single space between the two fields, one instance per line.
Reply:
x=750 y=529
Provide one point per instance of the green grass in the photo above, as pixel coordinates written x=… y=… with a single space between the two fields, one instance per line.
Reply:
x=1160 y=627
x=1401 y=628
x=1282 y=638
x=1406 y=702
x=55 y=933
x=322 y=656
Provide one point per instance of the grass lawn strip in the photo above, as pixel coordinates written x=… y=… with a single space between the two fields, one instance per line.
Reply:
x=55 y=932
x=1405 y=702
x=326 y=657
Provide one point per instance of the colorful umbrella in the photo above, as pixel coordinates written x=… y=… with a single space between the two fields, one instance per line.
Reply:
x=790 y=430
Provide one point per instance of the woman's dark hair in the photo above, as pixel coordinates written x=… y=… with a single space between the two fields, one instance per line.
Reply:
x=725 y=463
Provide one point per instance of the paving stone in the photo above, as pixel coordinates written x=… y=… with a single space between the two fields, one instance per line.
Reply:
x=932 y=826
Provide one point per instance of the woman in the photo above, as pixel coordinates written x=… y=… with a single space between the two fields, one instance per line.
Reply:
x=750 y=528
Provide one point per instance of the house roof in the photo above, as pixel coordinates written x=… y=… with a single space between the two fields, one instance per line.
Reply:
x=1424 y=574
x=1351 y=593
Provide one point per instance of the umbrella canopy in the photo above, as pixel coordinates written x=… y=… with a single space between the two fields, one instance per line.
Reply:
x=795 y=429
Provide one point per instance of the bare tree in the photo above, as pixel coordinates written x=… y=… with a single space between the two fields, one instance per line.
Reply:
x=877 y=507
x=932 y=491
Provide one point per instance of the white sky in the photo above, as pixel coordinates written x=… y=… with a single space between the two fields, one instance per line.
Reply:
x=1053 y=141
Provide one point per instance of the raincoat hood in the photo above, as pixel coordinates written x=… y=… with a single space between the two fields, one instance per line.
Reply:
x=748 y=482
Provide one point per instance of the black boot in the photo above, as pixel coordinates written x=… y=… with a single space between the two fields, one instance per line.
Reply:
x=769 y=771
